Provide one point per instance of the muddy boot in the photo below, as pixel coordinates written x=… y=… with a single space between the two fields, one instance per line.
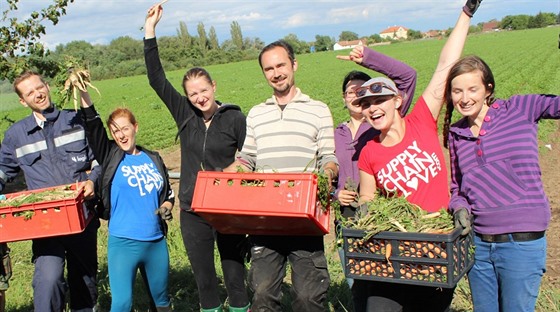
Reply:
x=163 y=309
x=244 y=309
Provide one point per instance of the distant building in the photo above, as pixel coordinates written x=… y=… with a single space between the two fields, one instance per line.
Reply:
x=491 y=26
x=432 y=34
x=341 y=45
x=395 y=33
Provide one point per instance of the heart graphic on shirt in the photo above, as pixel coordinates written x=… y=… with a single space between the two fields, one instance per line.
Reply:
x=149 y=187
x=412 y=183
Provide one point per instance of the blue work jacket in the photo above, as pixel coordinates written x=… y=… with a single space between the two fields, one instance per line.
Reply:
x=53 y=155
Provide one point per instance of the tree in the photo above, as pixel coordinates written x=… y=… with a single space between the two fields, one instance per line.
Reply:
x=129 y=47
x=515 y=22
x=236 y=35
x=414 y=34
x=323 y=43
x=213 y=39
x=19 y=44
x=542 y=20
x=347 y=36
x=183 y=34
x=81 y=50
x=473 y=29
x=255 y=43
x=375 y=38
x=300 y=47
x=202 y=39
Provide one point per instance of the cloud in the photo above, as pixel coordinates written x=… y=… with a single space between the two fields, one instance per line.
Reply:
x=104 y=20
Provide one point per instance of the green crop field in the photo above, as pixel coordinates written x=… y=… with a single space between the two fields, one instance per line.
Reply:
x=522 y=61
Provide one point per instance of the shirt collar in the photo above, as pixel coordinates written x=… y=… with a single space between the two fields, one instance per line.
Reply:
x=40 y=123
x=299 y=97
x=462 y=126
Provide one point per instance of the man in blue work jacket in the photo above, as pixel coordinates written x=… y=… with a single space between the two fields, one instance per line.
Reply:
x=50 y=147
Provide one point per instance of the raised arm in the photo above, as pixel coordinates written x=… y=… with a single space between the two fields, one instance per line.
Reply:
x=97 y=137
x=451 y=52
x=177 y=103
x=403 y=75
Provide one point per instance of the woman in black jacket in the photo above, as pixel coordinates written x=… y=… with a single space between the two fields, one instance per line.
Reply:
x=137 y=196
x=211 y=133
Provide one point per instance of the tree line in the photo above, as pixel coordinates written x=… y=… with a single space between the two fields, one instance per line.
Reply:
x=20 y=46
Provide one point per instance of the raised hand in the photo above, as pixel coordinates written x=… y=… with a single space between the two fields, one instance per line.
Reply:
x=471 y=6
x=356 y=55
x=153 y=16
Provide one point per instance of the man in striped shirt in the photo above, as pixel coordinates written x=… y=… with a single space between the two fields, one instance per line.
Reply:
x=289 y=132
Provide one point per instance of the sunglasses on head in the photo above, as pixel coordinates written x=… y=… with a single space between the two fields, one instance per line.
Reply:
x=374 y=88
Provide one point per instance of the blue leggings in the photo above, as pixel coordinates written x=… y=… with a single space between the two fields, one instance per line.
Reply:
x=125 y=257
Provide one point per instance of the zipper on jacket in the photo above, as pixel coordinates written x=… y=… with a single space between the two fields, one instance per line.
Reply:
x=204 y=146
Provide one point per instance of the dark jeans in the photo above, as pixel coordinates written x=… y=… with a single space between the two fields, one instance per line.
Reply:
x=310 y=277
x=199 y=237
x=79 y=251
x=393 y=297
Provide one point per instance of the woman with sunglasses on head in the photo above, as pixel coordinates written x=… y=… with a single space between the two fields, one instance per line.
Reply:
x=496 y=178
x=210 y=133
x=352 y=135
x=406 y=159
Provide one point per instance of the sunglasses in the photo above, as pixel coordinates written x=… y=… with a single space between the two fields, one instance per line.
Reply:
x=374 y=88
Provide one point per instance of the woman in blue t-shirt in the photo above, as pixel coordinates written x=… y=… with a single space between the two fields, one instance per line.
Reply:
x=137 y=198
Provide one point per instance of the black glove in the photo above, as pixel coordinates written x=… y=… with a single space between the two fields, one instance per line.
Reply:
x=165 y=213
x=471 y=6
x=462 y=219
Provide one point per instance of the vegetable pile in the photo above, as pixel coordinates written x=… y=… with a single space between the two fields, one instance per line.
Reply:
x=395 y=213
x=57 y=193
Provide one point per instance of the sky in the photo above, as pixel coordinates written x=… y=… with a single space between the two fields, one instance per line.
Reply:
x=100 y=21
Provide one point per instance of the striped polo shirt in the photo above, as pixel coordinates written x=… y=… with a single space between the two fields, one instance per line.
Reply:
x=497 y=175
x=298 y=138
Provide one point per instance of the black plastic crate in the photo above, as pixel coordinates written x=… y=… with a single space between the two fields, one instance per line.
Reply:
x=438 y=260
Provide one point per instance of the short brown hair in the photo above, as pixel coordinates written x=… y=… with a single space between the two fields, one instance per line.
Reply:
x=26 y=75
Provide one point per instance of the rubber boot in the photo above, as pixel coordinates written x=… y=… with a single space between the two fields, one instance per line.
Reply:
x=244 y=309
x=218 y=309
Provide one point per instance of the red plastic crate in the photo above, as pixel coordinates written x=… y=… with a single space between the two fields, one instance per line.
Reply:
x=261 y=203
x=44 y=219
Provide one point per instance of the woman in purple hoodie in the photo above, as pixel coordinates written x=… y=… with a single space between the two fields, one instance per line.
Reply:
x=496 y=178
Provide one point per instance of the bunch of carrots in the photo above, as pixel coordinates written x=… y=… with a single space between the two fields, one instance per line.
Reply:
x=395 y=213
x=57 y=193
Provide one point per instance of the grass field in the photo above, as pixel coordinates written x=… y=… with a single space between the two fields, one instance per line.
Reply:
x=522 y=61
